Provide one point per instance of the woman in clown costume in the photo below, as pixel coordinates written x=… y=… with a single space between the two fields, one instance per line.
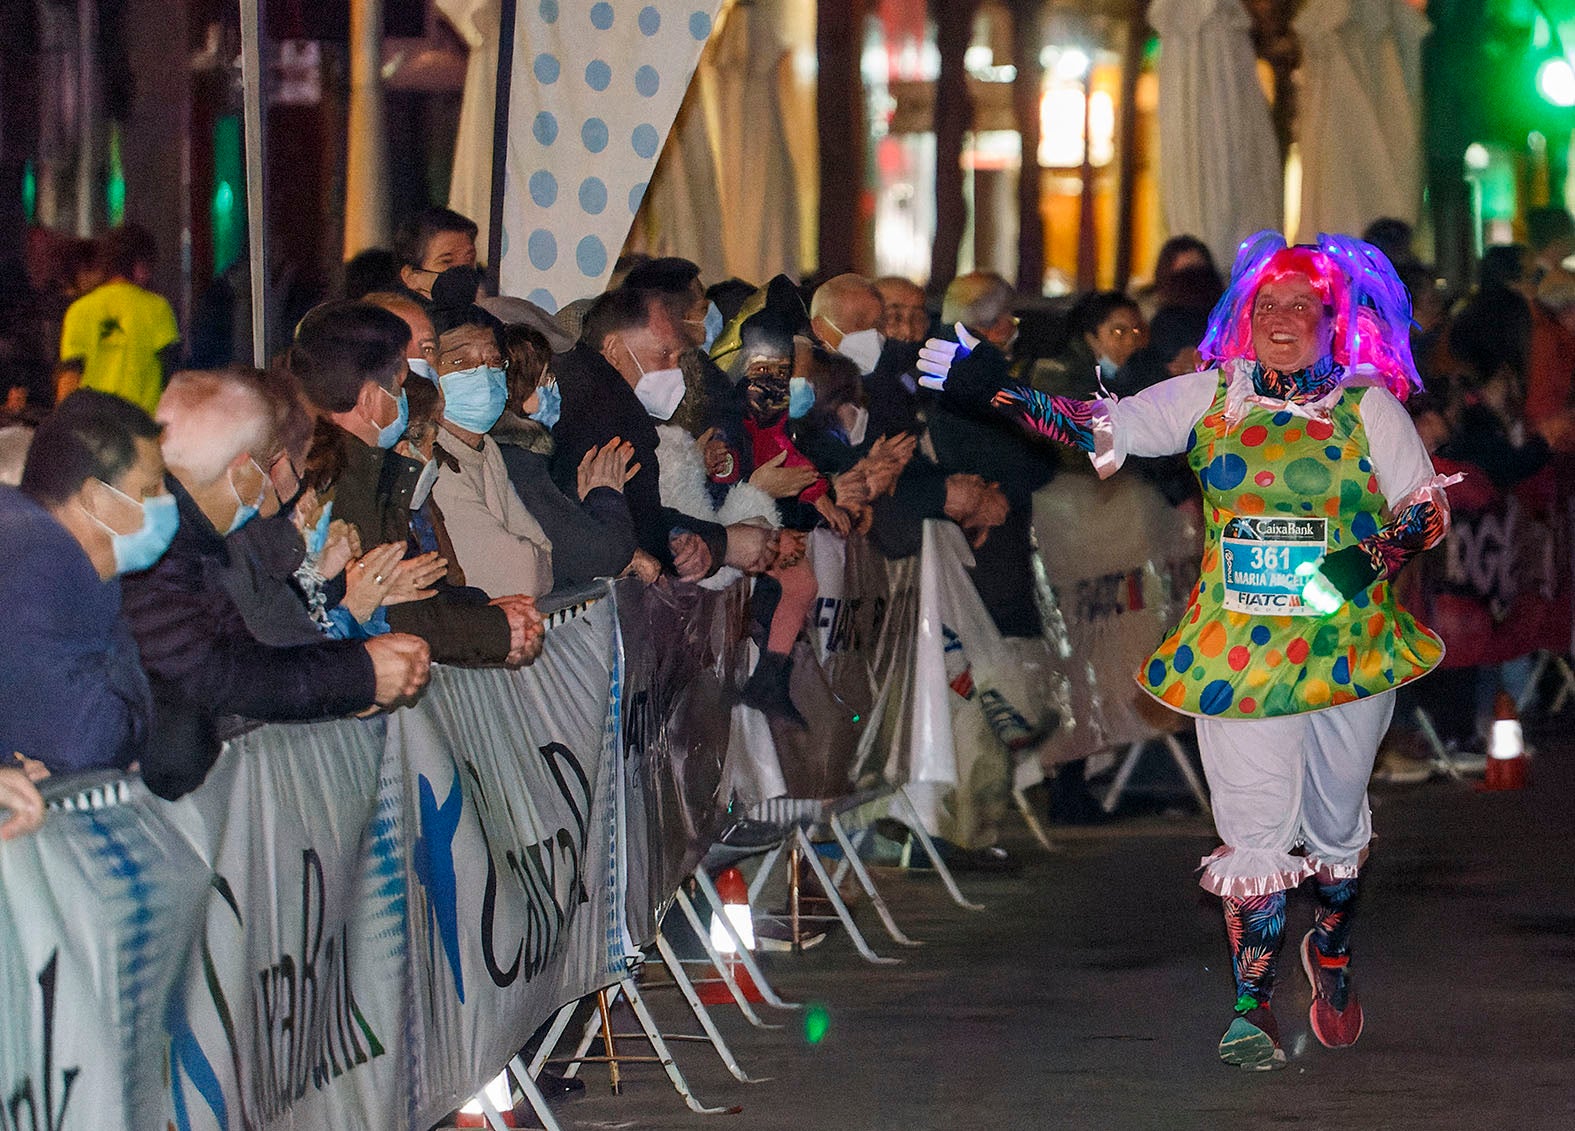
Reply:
x=1316 y=491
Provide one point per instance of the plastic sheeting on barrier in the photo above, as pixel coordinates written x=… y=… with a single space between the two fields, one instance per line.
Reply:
x=1120 y=564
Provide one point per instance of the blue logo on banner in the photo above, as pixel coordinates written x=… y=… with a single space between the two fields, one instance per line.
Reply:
x=434 y=862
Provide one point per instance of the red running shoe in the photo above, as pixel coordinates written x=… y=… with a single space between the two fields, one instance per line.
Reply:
x=1336 y=1012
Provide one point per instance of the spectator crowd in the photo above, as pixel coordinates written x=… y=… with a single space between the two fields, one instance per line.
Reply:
x=187 y=552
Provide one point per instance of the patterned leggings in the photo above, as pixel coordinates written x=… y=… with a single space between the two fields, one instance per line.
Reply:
x=1255 y=926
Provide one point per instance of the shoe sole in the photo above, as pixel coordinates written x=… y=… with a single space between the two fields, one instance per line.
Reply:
x=1248 y=1047
x=1312 y=1010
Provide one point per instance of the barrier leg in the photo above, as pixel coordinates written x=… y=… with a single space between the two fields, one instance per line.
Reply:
x=1184 y=764
x=850 y=858
x=697 y=1007
x=1566 y=685
x=1441 y=759
x=654 y=1035
x=593 y=1029
x=763 y=873
x=1123 y=776
x=1031 y=819
x=604 y=1011
x=724 y=971
x=538 y=1102
x=493 y=1117
x=744 y=955
x=841 y=908
x=550 y=1039
x=916 y=826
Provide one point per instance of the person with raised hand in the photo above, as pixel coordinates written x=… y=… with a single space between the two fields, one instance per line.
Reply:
x=1317 y=490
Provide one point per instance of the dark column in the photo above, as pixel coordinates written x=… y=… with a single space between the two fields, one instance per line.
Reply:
x=839 y=94
x=1136 y=33
x=1027 y=39
x=953 y=118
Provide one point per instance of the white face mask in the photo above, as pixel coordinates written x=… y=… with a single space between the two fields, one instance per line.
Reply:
x=660 y=390
x=421 y=367
x=861 y=423
x=862 y=347
x=423 y=487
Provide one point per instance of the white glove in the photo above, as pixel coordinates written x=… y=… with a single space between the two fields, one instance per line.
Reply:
x=938 y=356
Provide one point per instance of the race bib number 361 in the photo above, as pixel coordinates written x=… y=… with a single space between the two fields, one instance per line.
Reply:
x=1261 y=556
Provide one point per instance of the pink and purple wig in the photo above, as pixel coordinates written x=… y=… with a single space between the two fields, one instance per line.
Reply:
x=1370 y=307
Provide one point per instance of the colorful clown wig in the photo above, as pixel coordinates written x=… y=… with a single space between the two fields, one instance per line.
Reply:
x=1370 y=307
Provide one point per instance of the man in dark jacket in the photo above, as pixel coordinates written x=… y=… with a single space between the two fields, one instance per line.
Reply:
x=623 y=373
x=75 y=697
x=203 y=662
x=350 y=360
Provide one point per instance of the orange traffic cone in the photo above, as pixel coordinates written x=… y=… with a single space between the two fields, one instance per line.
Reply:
x=500 y=1095
x=1506 y=764
x=734 y=890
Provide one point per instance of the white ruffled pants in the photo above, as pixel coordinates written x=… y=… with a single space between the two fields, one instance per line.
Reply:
x=1299 y=780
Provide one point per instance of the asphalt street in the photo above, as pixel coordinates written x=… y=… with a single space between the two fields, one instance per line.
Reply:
x=1092 y=990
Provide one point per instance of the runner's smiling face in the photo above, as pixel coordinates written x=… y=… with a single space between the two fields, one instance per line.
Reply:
x=1291 y=327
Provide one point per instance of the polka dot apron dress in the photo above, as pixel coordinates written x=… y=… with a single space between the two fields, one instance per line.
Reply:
x=1279 y=491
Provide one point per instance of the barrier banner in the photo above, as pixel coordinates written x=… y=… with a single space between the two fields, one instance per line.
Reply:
x=1501 y=585
x=1120 y=564
x=347 y=919
x=683 y=647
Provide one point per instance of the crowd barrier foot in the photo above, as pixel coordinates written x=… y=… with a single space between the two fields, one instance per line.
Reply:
x=910 y=816
x=851 y=861
x=1444 y=761
x=801 y=850
x=1178 y=755
x=1031 y=819
x=1545 y=660
x=600 y=1025
x=724 y=968
x=675 y=970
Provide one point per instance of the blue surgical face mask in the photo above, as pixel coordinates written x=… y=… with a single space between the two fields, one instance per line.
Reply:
x=549 y=405
x=317 y=536
x=474 y=398
x=245 y=512
x=389 y=434
x=138 y=550
x=714 y=323
x=421 y=367
x=801 y=398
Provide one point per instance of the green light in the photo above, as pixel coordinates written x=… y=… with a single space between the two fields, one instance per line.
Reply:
x=857 y=718
x=1316 y=589
x=816 y=1022
x=29 y=191
x=1556 y=82
x=115 y=186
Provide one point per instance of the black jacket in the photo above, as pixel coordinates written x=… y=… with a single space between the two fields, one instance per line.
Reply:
x=373 y=495
x=590 y=539
x=599 y=405
x=203 y=662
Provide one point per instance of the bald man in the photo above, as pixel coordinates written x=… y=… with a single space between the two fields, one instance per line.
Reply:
x=846 y=313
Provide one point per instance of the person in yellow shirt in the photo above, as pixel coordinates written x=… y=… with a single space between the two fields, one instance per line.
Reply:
x=119 y=337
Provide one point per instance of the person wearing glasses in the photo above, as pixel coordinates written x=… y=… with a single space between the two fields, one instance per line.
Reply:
x=502 y=545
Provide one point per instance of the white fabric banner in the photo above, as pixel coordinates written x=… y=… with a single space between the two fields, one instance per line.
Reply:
x=594 y=90
x=1360 y=114
x=291 y=946
x=1220 y=167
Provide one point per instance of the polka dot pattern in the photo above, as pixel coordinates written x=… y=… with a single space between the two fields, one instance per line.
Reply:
x=603 y=85
x=1237 y=663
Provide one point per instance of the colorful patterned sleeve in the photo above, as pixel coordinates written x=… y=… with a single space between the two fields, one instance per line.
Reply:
x=1420 y=523
x=1062 y=419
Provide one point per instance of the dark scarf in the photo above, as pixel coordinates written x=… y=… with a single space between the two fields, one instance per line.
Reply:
x=1301 y=387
